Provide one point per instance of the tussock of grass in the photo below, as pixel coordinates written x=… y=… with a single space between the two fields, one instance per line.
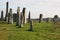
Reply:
x=3 y=22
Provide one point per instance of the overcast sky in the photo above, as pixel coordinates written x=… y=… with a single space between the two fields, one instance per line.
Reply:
x=48 y=8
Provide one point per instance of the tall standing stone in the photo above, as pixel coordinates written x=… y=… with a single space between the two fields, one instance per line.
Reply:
x=21 y=20
x=10 y=17
x=40 y=18
x=31 y=24
x=6 y=17
x=2 y=16
x=24 y=15
x=29 y=17
x=18 y=17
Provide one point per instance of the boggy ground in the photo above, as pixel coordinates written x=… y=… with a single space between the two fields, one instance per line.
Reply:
x=41 y=31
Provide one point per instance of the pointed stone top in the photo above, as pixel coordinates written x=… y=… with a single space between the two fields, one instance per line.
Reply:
x=2 y=11
x=7 y=2
x=23 y=8
x=29 y=14
x=10 y=9
x=18 y=9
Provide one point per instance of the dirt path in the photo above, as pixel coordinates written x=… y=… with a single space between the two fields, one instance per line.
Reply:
x=3 y=35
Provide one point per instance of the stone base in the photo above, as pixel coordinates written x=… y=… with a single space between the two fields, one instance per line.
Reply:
x=30 y=30
x=19 y=26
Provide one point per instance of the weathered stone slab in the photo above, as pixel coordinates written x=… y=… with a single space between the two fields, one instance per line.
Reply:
x=31 y=23
x=6 y=17
x=18 y=17
x=10 y=17
x=24 y=15
x=2 y=19
x=40 y=18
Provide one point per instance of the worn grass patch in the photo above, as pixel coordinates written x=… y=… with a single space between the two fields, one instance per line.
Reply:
x=3 y=35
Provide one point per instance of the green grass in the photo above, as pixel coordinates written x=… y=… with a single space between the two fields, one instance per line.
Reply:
x=41 y=31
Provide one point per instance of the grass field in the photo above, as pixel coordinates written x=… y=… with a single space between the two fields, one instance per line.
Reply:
x=42 y=31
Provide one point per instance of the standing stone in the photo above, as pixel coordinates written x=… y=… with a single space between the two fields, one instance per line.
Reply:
x=48 y=19
x=40 y=18
x=29 y=17
x=10 y=17
x=56 y=19
x=21 y=20
x=14 y=17
x=2 y=16
x=31 y=24
x=18 y=17
x=6 y=17
x=24 y=15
